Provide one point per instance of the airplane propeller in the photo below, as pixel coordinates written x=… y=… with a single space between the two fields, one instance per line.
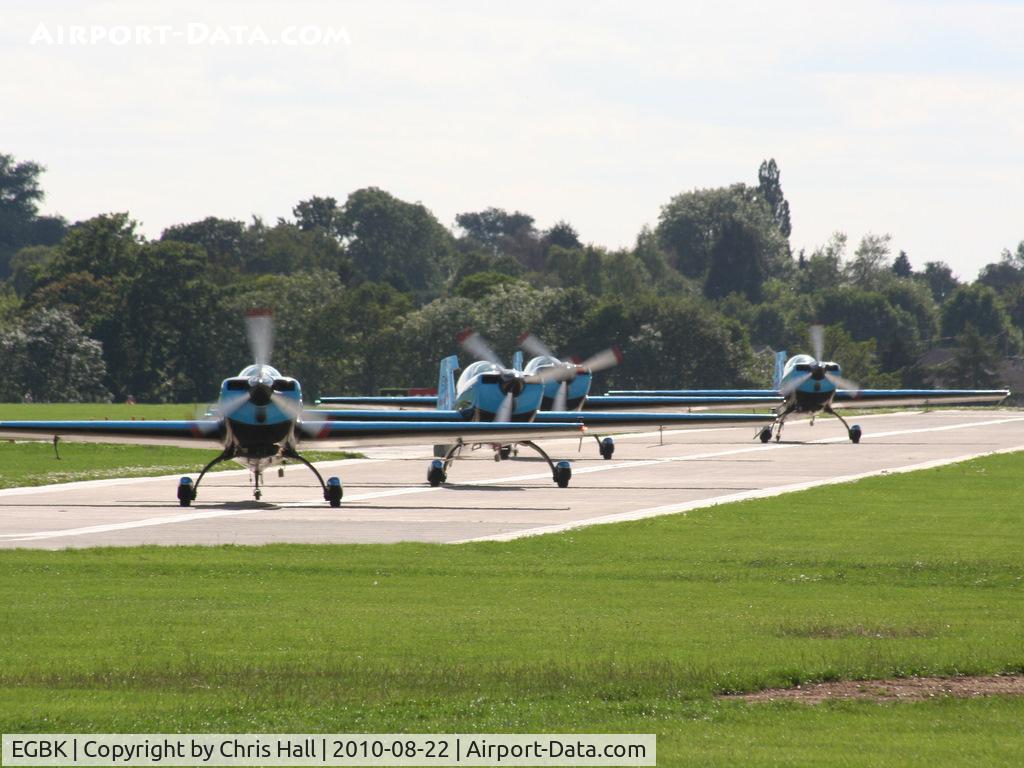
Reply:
x=259 y=327
x=817 y=333
x=818 y=371
x=565 y=371
x=475 y=345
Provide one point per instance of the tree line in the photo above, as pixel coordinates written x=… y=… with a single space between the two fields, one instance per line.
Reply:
x=370 y=292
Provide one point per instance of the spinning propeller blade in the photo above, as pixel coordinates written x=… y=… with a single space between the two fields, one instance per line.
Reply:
x=793 y=384
x=288 y=406
x=504 y=412
x=602 y=360
x=842 y=383
x=534 y=346
x=475 y=345
x=561 y=397
x=562 y=372
x=259 y=326
x=818 y=341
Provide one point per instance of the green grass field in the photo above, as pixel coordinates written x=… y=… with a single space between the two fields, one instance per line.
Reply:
x=30 y=411
x=632 y=627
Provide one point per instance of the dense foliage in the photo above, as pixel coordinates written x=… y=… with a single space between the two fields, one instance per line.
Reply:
x=370 y=292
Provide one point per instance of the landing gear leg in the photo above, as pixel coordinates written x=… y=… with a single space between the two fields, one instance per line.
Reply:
x=854 y=432
x=561 y=471
x=779 y=425
x=187 y=490
x=332 y=488
x=765 y=433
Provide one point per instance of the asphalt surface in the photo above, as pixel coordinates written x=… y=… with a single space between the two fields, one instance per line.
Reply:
x=387 y=498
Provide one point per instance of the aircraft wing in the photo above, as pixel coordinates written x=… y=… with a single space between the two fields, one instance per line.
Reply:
x=880 y=398
x=677 y=403
x=397 y=401
x=604 y=422
x=610 y=423
x=189 y=434
x=344 y=434
x=382 y=414
x=740 y=393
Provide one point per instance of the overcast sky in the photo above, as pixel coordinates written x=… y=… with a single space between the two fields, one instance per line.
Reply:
x=892 y=117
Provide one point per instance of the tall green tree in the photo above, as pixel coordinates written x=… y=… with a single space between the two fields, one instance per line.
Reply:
x=980 y=306
x=870 y=269
x=20 y=222
x=728 y=224
x=771 y=192
x=316 y=212
x=396 y=242
x=222 y=239
x=901 y=266
x=976 y=363
x=49 y=358
x=940 y=279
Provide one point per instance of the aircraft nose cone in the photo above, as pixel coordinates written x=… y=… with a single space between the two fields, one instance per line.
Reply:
x=818 y=373
x=512 y=383
x=260 y=394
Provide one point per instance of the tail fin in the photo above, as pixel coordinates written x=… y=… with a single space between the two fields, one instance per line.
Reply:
x=780 y=364
x=517 y=360
x=446 y=383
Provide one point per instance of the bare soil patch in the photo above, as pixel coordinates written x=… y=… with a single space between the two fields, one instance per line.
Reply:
x=902 y=689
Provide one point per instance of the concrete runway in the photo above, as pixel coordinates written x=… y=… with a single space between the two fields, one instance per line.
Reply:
x=388 y=500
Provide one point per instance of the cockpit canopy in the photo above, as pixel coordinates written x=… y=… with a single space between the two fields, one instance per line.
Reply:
x=807 y=364
x=476 y=369
x=254 y=370
x=542 y=361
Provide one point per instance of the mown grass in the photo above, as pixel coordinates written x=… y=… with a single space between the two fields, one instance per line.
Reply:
x=631 y=627
x=113 y=411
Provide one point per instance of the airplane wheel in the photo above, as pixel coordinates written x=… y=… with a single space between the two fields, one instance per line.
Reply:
x=563 y=471
x=855 y=433
x=186 y=493
x=607 y=448
x=334 y=491
x=436 y=474
x=765 y=434
x=257 y=494
x=505 y=451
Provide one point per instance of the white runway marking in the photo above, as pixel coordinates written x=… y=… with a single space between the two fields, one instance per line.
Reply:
x=634 y=515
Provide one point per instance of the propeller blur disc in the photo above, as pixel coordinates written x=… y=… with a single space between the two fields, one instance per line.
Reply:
x=602 y=360
x=561 y=397
x=534 y=346
x=475 y=345
x=259 y=326
x=818 y=341
x=504 y=412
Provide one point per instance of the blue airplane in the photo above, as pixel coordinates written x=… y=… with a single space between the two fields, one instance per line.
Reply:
x=486 y=391
x=808 y=384
x=259 y=421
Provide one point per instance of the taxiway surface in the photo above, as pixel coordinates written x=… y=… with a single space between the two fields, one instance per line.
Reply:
x=388 y=500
